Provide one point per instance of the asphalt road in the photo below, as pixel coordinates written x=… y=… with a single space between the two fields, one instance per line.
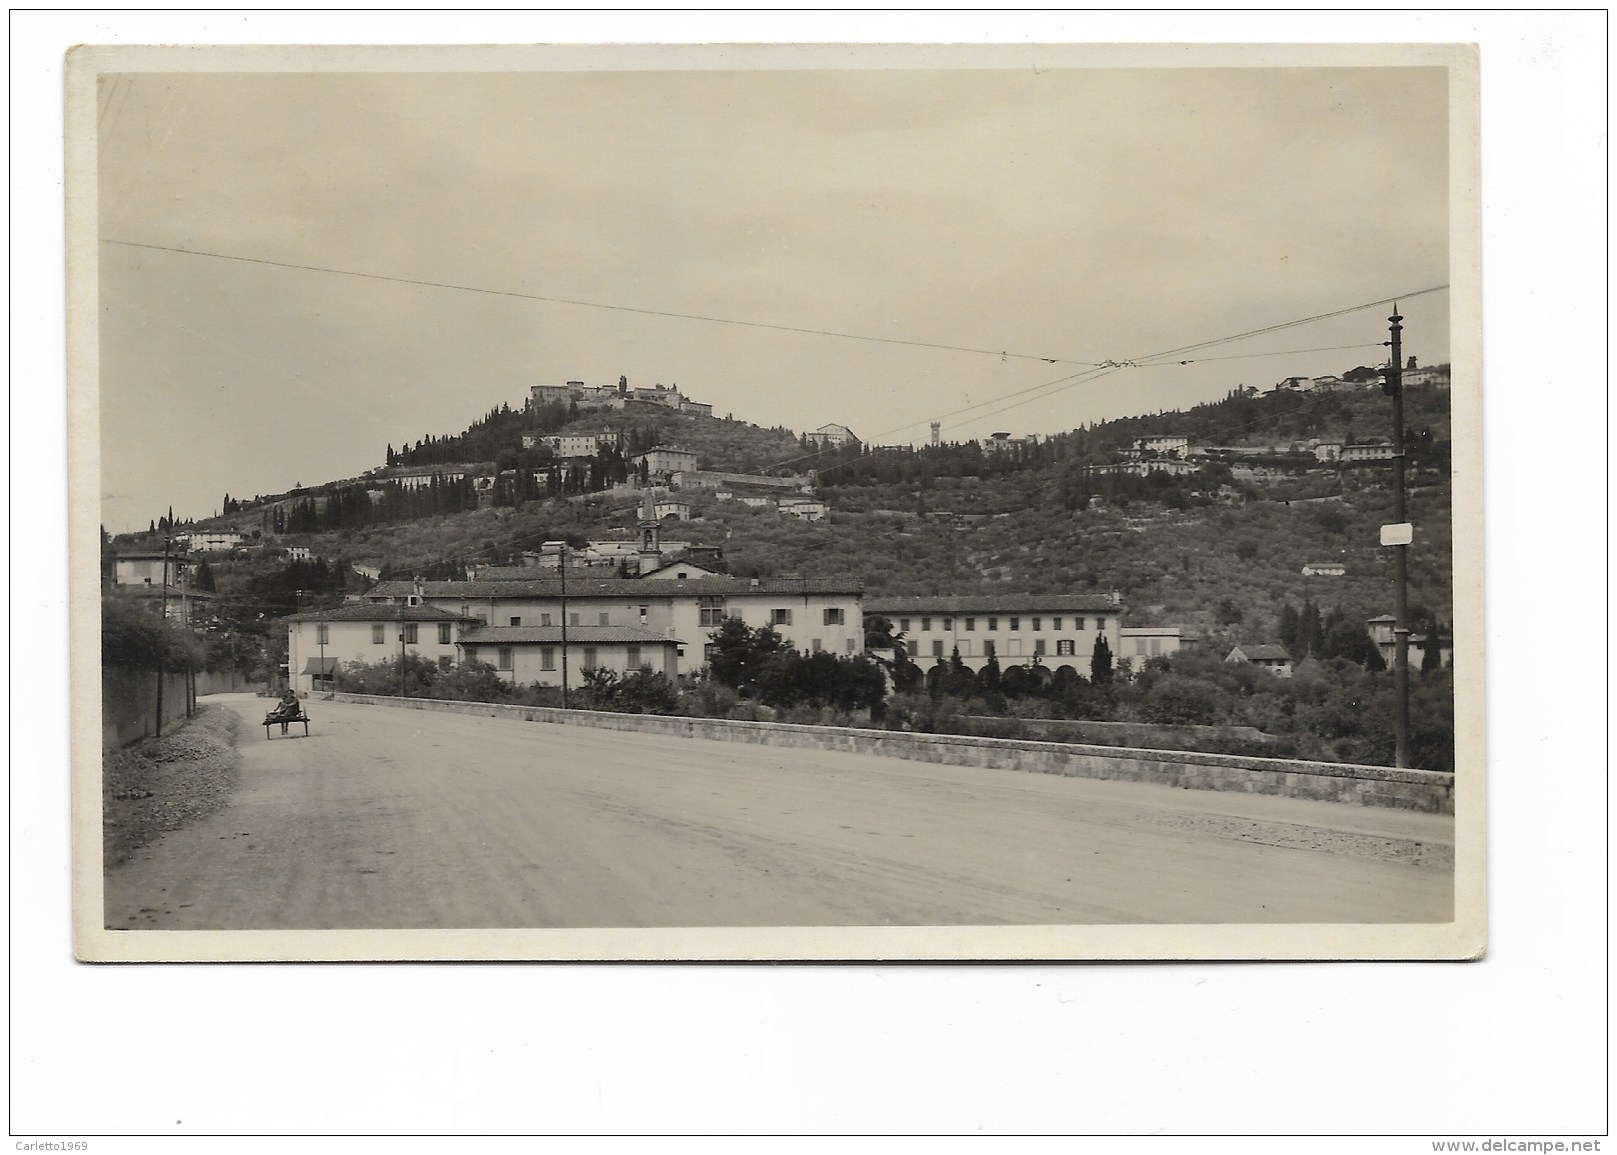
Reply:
x=389 y=818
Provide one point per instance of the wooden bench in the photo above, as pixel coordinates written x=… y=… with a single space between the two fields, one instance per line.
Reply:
x=274 y=719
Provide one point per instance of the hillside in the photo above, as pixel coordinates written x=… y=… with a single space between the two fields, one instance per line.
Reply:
x=1219 y=550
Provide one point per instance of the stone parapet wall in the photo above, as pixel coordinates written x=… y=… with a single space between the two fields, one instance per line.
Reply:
x=1431 y=791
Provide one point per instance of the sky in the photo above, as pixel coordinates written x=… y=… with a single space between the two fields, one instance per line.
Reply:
x=1051 y=219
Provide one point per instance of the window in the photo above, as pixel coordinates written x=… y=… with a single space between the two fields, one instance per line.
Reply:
x=1077 y=623
x=606 y=619
x=912 y=648
x=644 y=612
x=971 y=623
x=1038 y=624
x=993 y=623
x=505 y=657
x=780 y=617
x=1064 y=648
x=815 y=646
x=926 y=624
x=1055 y=623
x=547 y=657
x=409 y=633
x=544 y=619
x=988 y=649
x=937 y=647
x=1038 y=645
x=322 y=633
x=516 y=621
x=708 y=651
x=572 y=619
x=1016 y=623
x=376 y=633
x=631 y=658
x=903 y=625
x=710 y=611
x=471 y=654
x=833 y=617
x=443 y=633
x=590 y=661
x=1013 y=647
x=965 y=648
x=445 y=662
x=948 y=623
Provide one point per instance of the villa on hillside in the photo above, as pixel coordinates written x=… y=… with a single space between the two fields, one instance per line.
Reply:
x=1274 y=659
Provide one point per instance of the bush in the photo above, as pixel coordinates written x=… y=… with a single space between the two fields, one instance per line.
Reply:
x=136 y=638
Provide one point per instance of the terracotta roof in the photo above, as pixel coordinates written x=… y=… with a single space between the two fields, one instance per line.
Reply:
x=995 y=604
x=377 y=613
x=576 y=635
x=628 y=589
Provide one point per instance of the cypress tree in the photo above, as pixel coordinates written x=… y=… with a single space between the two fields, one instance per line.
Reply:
x=1100 y=662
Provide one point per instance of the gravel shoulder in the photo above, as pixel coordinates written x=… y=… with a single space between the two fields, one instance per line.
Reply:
x=164 y=784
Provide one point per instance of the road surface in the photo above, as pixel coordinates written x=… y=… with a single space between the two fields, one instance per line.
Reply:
x=391 y=818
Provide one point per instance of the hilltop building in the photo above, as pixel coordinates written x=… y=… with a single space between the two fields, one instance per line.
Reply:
x=832 y=437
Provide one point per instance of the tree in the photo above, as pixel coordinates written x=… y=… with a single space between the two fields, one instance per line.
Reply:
x=1431 y=654
x=1290 y=628
x=1100 y=662
x=988 y=677
x=739 y=652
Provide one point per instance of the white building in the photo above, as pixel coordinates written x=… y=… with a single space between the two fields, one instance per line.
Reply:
x=1164 y=445
x=832 y=436
x=578 y=444
x=1352 y=453
x=210 y=541
x=804 y=508
x=810 y=613
x=318 y=641
x=525 y=655
x=665 y=460
x=1139 y=643
x=1052 y=630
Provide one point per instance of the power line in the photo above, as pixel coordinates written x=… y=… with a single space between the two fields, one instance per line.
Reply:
x=1003 y=354
x=1288 y=324
x=1153 y=360
x=1276 y=353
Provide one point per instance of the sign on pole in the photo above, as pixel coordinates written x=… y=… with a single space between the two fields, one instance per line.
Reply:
x=1399 y=533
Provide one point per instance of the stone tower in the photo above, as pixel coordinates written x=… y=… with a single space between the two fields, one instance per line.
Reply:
x=651 y=553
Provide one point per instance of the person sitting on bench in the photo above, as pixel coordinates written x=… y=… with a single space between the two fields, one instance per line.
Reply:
x=287 y=708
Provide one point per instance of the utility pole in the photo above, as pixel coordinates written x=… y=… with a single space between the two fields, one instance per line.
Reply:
x=561 y=568
x=162 y=618
x=1398 y=535
x=401 y=649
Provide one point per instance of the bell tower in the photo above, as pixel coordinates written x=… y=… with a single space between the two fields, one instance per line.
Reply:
x=651 y=553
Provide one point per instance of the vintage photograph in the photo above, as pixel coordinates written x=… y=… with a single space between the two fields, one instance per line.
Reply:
x=776 y=503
